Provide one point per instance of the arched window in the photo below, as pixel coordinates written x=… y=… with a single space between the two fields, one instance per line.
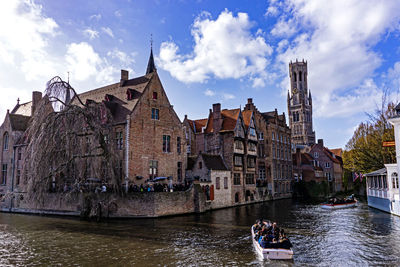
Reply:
x=295 y=76
x=300 y=76
x=5 y=141
x=305 y=76
x=395 y=180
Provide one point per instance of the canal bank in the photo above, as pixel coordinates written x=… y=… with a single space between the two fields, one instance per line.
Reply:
x=352 y=237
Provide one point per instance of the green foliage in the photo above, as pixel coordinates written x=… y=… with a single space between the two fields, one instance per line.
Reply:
x=364 y=151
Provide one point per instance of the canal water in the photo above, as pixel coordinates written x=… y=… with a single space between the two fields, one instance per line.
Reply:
x=350 y=237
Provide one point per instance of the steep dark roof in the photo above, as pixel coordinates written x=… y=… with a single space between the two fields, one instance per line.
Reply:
x=151 y=67
x=136 y=81
x=19 y=122
x=214 y=162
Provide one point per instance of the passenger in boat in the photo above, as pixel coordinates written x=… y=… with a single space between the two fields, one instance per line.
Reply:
x=284 y=242
x=275 y=230
x=264 y=242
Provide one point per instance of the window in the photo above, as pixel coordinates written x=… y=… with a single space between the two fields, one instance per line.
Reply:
x=316 y=155
x=238 y=161
x=261 y=136
x=178 y=145
x=179 y=171
x=327 y=164
x=328 y=176
x=217 y=183
x=166 y=143
x=395 y=180
x=18 y=176
x=120 y=140
x=252 y=147
x=261 y=173
x=153 y=166
x=249 y=178
x=239 y=145
x=236 y=178
x=200 y=165
x=225 y=182
x=154 y=95
x=155 y=114
x=253 y=132
x=5 y=141
x=4 y=174
x=384 y=182
x=273 y=136
x=251 y=162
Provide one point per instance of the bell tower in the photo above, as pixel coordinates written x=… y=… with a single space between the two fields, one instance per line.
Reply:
x=300 y=105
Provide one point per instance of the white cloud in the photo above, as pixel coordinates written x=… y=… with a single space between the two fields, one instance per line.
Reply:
x=124 y=58
x=108 y=31
x=284 y=27
x=228 y=96
x=118 y=13
x=224 y=48
x=95 y=17
x=337 y=39
x=91 y=34
x=82 y=60
x=209 y=92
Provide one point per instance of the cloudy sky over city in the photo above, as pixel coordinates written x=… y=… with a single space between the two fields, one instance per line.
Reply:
x=211 y=51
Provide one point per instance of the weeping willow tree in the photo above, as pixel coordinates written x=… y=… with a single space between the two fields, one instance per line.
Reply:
x=68 y=145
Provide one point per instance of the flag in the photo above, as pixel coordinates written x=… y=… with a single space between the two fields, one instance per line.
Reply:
x=355 y=176
x=361 y=176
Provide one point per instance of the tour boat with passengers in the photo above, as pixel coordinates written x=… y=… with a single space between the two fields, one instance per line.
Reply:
x=271 y=253
x=334 y=203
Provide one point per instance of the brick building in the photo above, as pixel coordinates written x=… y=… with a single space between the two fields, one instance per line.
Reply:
x=299 y=103
x=147 y=130
x=274 y=160
x=13 y=147
x=319 y=164
x=232 y=135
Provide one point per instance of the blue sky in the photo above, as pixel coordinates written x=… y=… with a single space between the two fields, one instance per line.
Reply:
x=211 y=51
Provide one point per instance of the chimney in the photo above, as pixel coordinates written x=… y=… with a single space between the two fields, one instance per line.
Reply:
x=124 y=76
x=321 y=142
x=249 y=105
x=217 y=118
x=36 y=97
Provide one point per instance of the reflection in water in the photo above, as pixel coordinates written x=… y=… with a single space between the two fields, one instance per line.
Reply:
x=355 y=236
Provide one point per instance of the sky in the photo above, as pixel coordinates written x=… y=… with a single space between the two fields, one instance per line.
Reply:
x=211 y=51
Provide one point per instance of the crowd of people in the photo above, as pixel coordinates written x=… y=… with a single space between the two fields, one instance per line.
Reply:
x=158 y=187
x=335 y=200
x=269 y=235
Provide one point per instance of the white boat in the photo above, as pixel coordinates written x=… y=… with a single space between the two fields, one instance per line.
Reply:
x=338 y=206
x=271 y=253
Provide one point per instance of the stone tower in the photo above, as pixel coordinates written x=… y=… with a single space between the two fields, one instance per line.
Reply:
x=300 y=106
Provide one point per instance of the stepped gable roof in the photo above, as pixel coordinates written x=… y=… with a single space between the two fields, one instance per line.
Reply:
x=118 y=92
x=247 y=117
x=214 y=162
x=19 y=122
x=24 y=109
x=197 y=125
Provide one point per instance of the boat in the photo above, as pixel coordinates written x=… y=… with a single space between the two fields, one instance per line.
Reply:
x=346 y=203
x=271 y=253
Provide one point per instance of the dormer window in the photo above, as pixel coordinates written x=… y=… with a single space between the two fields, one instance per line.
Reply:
x=154 y=95
x=253 y=132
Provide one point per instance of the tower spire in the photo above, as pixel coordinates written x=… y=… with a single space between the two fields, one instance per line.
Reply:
x=151 y=67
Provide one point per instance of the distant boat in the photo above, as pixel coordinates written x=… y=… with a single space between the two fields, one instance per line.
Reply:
x=271 y=253
x=341 y=204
